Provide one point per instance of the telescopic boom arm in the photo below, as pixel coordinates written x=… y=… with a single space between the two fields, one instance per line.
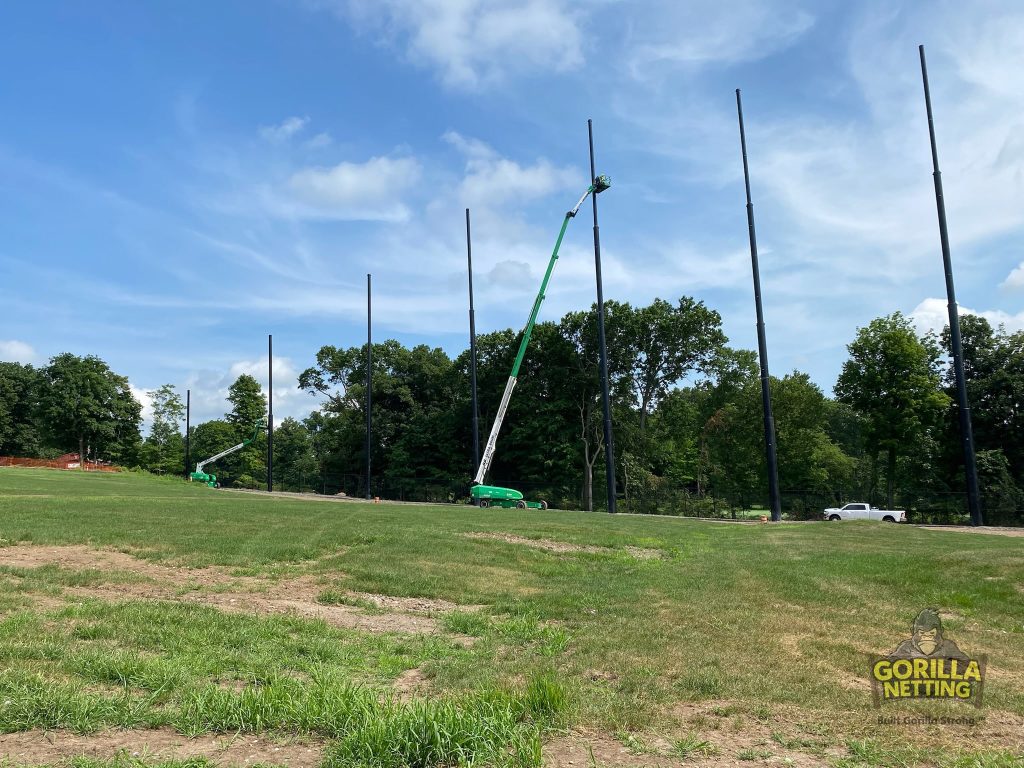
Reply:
x=222 y=454
x=600 y=184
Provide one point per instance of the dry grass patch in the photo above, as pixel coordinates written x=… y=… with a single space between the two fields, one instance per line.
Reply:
x=550 y=545
x=48 y=747
x=218 y=588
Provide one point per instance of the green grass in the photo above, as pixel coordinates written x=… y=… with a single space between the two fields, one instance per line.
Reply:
x=693 y=745
x=751 y=619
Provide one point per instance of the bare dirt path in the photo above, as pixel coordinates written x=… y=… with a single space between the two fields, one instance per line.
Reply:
x=217 y=587
x=46 y=747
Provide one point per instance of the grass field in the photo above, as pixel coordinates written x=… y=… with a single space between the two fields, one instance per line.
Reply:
x=194 y=627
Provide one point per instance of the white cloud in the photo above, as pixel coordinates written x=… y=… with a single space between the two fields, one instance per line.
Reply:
x=319 y=141
x=210 y=389
x=145 y=399
x=697 y=33
x=1015 y=279
x=368 y=191
x=933 y=315
x=289 y=400
x=491 y=179
x=284 y=131
x=14 y=351
x=473 y=43
x=867 y=182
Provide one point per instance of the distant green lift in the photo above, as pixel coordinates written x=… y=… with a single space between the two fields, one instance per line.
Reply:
x=211 y=480
x=492 y=495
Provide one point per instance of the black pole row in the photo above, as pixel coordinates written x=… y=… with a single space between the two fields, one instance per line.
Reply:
x=963 y=406
x=771 y=454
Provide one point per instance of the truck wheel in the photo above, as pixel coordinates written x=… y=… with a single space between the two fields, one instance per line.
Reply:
x=834 y=517
x=543 y=505
x=888 y=519
x=520 y=504
x=484 y=503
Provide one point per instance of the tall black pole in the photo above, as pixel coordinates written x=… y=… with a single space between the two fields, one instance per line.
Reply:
x=188 y=430
x=609 y=445
x=270 y=412
x=369 y=384
x=966 y=433
x=472 y=350
x=771 y=456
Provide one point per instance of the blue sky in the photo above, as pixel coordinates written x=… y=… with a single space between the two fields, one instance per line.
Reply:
x=177 y=180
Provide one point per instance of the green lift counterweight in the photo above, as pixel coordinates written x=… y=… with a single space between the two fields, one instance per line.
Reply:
x=491 y=495
x=211 y=480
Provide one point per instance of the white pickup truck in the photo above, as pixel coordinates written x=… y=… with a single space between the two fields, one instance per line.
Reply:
x=861 y=511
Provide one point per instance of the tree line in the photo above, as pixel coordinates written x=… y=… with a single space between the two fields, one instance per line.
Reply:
x=686 y=415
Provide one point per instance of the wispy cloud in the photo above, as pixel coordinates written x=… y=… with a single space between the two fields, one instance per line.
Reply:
x=474 y=43
x=368 y=191
x=671 y=35
x=319 y=141
x=14 y=351
x=284 y=130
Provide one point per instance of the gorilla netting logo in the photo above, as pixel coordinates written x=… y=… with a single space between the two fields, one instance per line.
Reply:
x=928 y=666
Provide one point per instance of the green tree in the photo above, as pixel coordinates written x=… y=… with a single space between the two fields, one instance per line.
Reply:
x=681 y=439
x=1003 y=497
x=248 y=405
x=164 y=446
x=295 y=463
x=414 y=439
x=892 y=379
x=579 y=329
x=663 y=344
x=20 y=388
x=994 y=373
x=248 y=467
x=84 y=402
x=810 y=463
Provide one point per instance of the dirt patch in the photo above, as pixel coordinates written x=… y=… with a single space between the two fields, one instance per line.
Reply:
x=218 y=588
x=81 y=557
x=788 y=732
x=45 y=747
x=582 y=749
x=412 y=683
x=600 y=676
x=585 y=749
x=989 y=529
x=278 y=600
x=423 y=605
x=550 y=545
x=737 y=738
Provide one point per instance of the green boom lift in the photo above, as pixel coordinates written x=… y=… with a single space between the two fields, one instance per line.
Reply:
x=491 y=495
x=211 y=480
